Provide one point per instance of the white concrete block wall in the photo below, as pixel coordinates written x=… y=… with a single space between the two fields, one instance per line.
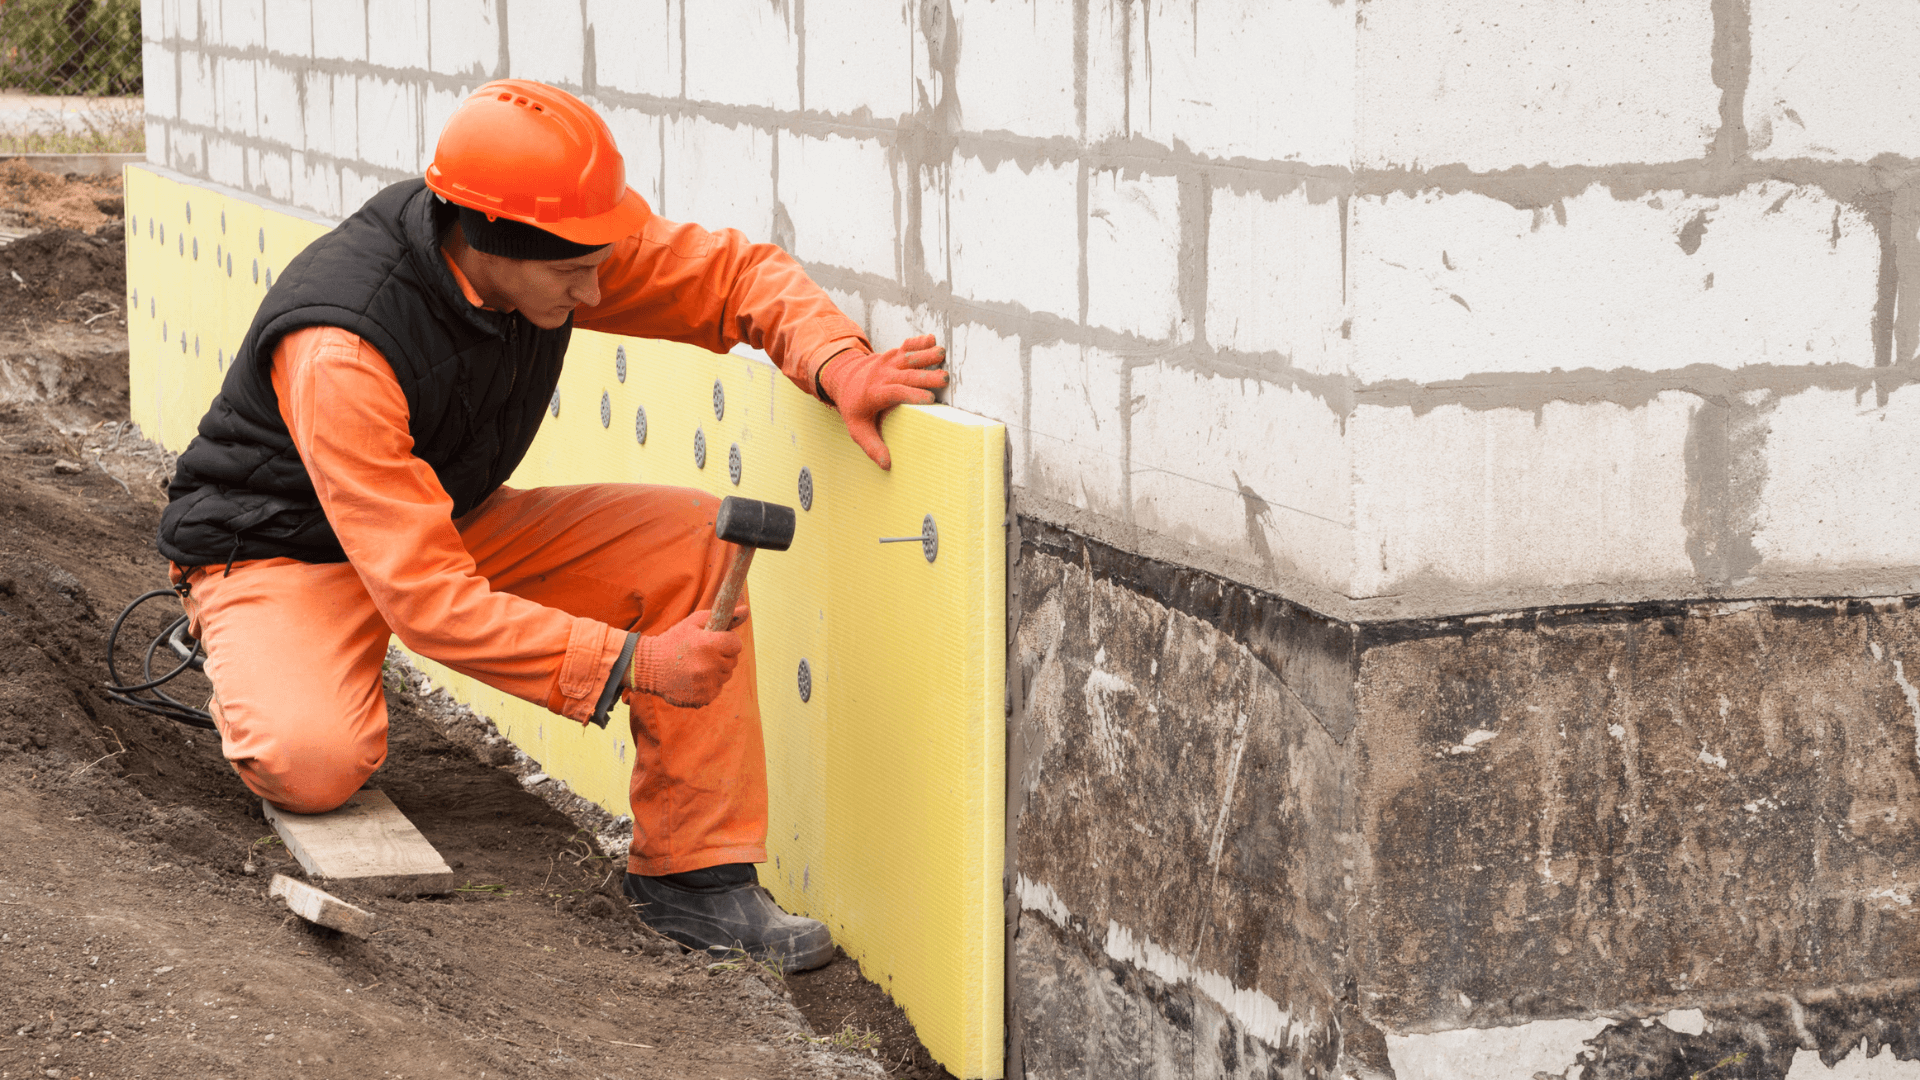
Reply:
x=1133 y=255
x=1477 y=502
x=1487 y=303
x=1276 y=279
x=1446 y=286
x=1833 y=80
x=1491 y=84
x=1013 y=234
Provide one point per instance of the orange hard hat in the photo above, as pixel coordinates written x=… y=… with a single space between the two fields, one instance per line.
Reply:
x=531 y=153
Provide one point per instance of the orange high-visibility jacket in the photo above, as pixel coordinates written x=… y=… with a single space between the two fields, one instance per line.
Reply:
x=348 y=418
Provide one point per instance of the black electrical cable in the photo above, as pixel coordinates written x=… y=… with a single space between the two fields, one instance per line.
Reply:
x=160 y=704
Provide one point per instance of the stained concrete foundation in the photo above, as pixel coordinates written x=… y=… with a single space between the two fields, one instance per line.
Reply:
x=1248 y=841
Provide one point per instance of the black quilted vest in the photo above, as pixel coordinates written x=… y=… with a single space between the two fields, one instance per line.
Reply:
x=477 y=385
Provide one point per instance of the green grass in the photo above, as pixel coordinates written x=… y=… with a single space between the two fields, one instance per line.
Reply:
x=110 y=129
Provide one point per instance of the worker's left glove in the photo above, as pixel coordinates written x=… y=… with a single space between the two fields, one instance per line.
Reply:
x=688 y=664
x=864 y=385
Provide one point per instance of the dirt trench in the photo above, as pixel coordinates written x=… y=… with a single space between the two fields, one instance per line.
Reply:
x=136 y=936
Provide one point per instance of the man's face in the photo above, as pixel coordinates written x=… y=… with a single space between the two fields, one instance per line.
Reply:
x=545 y=292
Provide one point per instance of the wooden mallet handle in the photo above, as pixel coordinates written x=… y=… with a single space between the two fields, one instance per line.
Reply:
x=730 y=586
x=748 y=524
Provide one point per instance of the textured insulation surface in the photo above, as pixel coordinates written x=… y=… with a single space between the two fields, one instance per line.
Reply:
x=886 y=778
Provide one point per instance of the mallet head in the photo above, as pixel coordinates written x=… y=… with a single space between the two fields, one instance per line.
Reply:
x=753 y=523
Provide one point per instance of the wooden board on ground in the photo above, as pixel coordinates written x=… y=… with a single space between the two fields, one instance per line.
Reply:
x=366 y=842
x=317 y=906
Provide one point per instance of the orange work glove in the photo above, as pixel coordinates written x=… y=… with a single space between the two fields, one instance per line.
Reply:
x=688 y=664
x=864 y=385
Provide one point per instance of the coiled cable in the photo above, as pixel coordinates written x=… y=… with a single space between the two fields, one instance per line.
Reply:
x=174 y=636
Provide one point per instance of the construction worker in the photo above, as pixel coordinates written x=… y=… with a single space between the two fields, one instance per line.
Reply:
x=347 y=484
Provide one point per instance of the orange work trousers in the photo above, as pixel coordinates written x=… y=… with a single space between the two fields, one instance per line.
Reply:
x=294 y=652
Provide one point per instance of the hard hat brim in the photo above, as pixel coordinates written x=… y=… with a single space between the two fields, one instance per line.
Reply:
x=626 y=218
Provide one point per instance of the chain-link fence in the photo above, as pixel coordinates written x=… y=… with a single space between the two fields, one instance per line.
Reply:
x=70 y=46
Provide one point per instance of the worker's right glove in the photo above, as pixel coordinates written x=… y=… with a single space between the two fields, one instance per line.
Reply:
x=688 y=664
x=864 y=385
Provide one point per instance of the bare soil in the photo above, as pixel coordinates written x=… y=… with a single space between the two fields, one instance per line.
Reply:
x=136 y=936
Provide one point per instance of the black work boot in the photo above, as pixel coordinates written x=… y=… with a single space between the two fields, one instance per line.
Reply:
x=722 y=908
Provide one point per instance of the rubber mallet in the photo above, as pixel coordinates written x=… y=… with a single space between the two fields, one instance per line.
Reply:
x=750 y=525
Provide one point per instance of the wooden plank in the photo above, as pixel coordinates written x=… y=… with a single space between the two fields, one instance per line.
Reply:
x=366 y=842
x=323 y=908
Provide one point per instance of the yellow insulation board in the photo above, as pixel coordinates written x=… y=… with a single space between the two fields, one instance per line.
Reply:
x=886 y=778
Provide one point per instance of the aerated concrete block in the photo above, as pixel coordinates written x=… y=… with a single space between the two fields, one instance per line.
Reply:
x=289 y=28
x=237 y=104
x=388 y=118
x=1015 y=71
x=546 y=42
x=1013 y=234
x=280 y=117
x=198 y=94
x=1275 y=275
x=162 y=95
x=637 y=134
x=636 y=46
x=1446 y=286
x=397 y=34
x=464 y=37
x=1197 y=84
x=332 y=106
x=1077 y=436
x=316 y=186
x=720 y=176
x=839 y=194
x=226 y=160
x=342 y=33
x=186 y=151
x=1494 y=84
x=1834 y=494
x=272 y=172
x=237 y=24
x=859 y=57
x=1133 y=254
x=743 y=52
x=1466 y=502
x=1109 y=37
x=1254 y=471
x=1833 y=80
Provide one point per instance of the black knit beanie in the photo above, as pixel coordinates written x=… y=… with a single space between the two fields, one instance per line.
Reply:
x=511 y=239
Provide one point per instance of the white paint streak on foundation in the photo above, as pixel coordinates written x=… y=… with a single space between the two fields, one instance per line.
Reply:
x=1685 y=1021
x=1855 y=1066
x=1039 y=897
x=1549 y=1047
x=1259 y=1015
x=1913 y=696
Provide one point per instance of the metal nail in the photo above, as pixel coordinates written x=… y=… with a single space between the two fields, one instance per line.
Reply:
x=606 y=410
x=553 y=405
x=719 y=401
x=806 y=488
x=700 y=448
x=806 y=681
x=620 y=362
x=929 y=539
x=733 y=464
x=640 y=425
